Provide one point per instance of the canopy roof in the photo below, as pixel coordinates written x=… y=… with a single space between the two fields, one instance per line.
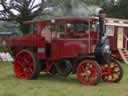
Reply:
x=63 y=19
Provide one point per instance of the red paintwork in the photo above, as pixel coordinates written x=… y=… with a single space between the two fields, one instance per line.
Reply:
x=111 y=73
x=49 y=65
x=69 y=48
x=113 y=42
x=22 y=70
x=29 y=41
x=50 y=52
x=125 y=34
x=87 y=73
x=61 y=48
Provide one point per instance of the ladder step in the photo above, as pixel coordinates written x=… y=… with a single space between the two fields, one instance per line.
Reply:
x=126 y=57
x=123 y=49
x=124 y=54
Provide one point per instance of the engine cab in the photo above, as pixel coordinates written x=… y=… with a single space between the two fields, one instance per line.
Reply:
x=68 y=37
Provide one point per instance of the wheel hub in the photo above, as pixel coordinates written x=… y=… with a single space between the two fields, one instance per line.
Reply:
x=86 y=73
x=26 y=65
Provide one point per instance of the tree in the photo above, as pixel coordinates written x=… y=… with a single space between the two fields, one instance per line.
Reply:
x=92 y=2
x=118 y=10
x=20 y=11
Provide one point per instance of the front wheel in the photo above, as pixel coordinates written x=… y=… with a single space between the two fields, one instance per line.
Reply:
x=112 y=72
x=89 y=72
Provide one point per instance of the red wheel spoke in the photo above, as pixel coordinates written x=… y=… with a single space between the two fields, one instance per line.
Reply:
x=20 y=64
x=94 y=74
x=25 y=74
x=82 y=68
x=89 y=74
x=24 y=65
x=28 y=73
x=111 y=73
x=30 y=70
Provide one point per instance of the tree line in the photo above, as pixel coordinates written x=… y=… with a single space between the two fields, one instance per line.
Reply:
x=25 y=10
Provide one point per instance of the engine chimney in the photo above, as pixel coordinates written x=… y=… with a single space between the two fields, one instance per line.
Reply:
x=102 y=16
x=103 y=50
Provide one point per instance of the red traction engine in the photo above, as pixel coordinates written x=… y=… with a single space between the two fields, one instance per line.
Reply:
x=63 y=46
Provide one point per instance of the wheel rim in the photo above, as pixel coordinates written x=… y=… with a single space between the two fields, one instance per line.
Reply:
x=63 y=68
x=111 y=72
x=87 y=73
x=24 y=65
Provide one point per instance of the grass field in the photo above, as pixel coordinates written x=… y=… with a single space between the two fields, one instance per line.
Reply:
x=48 y=85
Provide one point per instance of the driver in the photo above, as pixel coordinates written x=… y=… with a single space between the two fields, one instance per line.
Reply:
x=46 y=33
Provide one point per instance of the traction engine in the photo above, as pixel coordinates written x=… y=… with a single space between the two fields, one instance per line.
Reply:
x=66 y=46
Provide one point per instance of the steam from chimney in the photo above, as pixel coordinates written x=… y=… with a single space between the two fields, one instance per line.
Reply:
x=78 y=9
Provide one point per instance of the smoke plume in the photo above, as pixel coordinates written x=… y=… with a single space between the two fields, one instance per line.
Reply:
x=76 y=8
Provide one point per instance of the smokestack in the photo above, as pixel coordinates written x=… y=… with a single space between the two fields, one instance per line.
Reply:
x=102 y=15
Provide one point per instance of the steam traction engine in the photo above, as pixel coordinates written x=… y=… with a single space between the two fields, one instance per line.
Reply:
x=63 y=46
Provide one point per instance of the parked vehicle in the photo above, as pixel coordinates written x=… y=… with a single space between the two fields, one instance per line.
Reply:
x=66 y=45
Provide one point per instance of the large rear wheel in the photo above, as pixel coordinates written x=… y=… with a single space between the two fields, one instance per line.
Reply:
x=112 y=72
x=26 y=65
x=89 y=72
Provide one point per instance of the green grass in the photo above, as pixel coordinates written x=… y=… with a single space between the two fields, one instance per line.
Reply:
x=47 y=85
